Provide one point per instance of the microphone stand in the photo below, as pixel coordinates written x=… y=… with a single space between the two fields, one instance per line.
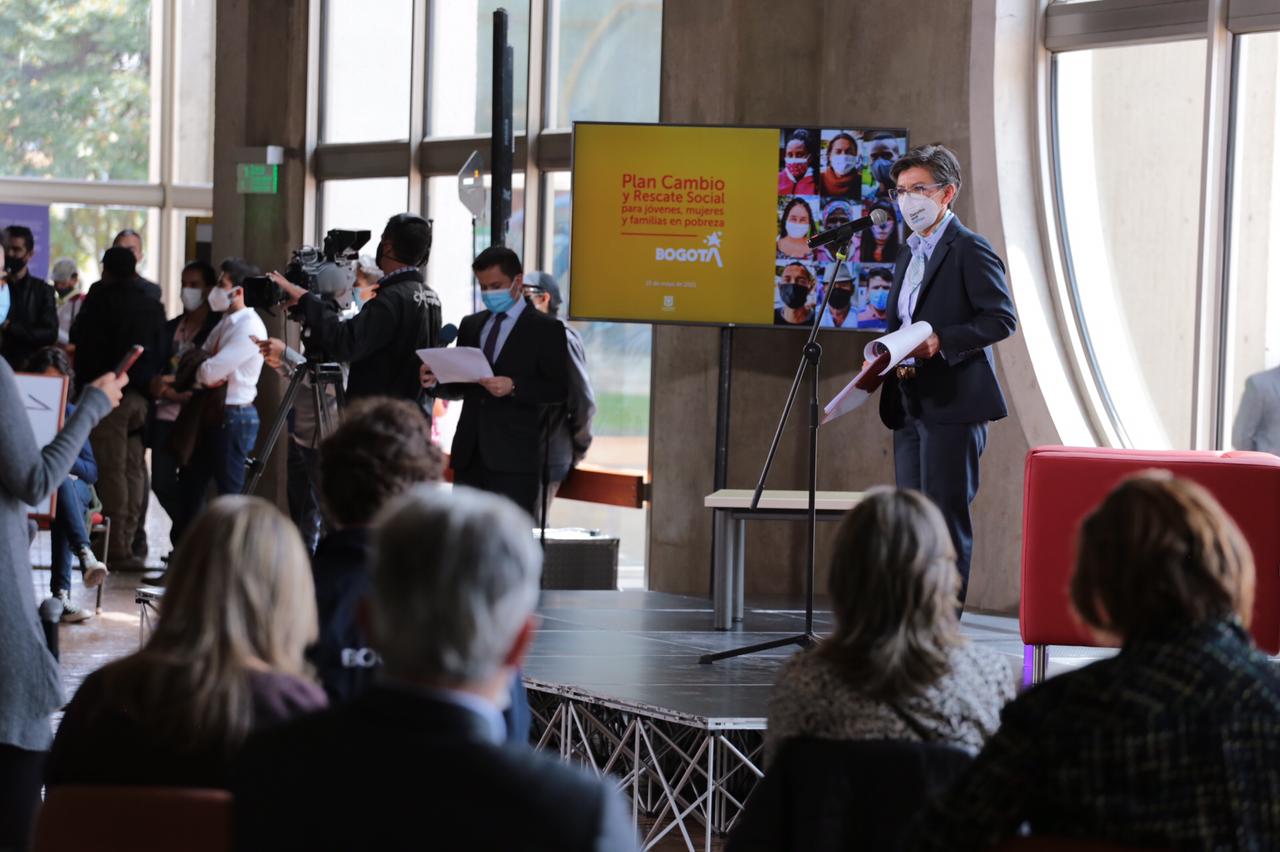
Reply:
x=811 y=357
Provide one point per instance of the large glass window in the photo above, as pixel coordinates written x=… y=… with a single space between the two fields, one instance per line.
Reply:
x=366 y=70
x=364 y=204
x=75 y=89
x=601 y=60
x=456 y=240
x=1129 y=139
x=1253 y=342
x=618 y=363
x=461 y=56
x=605 y=67
x=193 y=123
x=84 y=232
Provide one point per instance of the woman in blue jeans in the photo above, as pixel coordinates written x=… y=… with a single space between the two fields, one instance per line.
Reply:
x=68 y=530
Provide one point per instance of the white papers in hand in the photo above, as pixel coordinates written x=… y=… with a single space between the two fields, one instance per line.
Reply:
x=882 y=355
x=458 y=364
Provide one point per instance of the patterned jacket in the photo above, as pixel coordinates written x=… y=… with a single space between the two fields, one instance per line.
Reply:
x=1173 y=743
x=814 y=698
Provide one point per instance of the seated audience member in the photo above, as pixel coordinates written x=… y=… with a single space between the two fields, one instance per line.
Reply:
x=378 y=453
x=68 y=295
x=67 y=532
x=382 y=449
x=1172 y=744
x=452 y=622
x=896 y=666
x=226 y=658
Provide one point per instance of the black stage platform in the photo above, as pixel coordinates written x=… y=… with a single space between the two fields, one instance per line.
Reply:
x=642 y=648
x=615 y=683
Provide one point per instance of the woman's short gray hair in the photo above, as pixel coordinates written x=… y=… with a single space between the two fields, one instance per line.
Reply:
x=455 y=576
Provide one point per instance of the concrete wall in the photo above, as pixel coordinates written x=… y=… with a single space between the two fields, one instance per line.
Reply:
x=806 y=62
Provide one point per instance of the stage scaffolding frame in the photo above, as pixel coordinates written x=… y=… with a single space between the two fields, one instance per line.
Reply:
x=682 y=772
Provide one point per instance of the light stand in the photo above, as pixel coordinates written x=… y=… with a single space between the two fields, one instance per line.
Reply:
x=810 y=361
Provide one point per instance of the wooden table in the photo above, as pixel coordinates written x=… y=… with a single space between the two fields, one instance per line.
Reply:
x=732 y=510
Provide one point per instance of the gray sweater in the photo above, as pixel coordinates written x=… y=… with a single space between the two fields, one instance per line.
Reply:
x=30 y=688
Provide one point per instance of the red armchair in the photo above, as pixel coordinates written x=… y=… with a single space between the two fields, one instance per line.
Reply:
x=1063 y=484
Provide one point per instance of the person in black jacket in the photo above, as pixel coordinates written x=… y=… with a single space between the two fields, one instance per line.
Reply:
x=938 y=402
x=382 y=449
x=32 y=319
x=500 y=441
x=117 y=314
x=451 y=621
x=379 y=342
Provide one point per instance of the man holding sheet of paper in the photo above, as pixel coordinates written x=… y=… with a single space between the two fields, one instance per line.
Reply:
x=939 y=400
x=515 y=376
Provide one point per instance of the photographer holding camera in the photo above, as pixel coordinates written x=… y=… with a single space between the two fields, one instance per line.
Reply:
x=379 y=342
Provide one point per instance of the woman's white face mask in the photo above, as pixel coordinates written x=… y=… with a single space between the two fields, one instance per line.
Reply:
x=192 y=298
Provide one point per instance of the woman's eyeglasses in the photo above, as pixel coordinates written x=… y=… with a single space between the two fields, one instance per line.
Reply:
x=919 y=189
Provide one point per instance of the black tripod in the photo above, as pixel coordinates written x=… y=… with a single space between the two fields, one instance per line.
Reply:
x=810 y=360
x=322 y=375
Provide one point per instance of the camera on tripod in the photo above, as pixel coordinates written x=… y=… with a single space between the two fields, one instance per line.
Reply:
x=325 y=272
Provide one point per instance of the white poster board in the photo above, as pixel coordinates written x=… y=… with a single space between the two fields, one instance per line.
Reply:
x=45 y=400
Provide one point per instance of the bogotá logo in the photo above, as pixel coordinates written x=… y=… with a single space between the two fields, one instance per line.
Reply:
x=709 y=254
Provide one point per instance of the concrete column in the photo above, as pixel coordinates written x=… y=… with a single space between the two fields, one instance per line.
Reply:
x=260 y=98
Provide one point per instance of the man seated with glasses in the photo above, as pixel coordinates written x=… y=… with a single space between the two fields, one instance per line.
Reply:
x=938 y=402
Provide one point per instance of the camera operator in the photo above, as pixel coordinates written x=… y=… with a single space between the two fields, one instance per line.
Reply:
x=379 y=342
x=305 y=420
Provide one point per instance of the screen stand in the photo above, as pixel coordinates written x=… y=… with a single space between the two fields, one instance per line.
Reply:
x=810 y=362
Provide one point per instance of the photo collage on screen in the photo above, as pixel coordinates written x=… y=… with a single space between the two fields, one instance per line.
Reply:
x=827 y=177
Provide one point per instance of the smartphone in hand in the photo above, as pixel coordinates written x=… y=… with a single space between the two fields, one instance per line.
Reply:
x=130 y=357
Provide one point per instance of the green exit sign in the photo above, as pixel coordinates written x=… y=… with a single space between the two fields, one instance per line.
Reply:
x=257 y=179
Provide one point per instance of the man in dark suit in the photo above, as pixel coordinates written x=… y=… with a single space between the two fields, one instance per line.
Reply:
x=938 y=402
x=500 y=441
x=451 y=623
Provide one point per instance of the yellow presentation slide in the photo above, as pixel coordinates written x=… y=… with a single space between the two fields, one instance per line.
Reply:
x=674 y=224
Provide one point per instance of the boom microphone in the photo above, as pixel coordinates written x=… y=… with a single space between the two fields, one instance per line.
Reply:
x=448 y=334
x=845 y=232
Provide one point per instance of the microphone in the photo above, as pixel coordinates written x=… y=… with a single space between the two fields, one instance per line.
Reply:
x=841 y=233
x=448 y=334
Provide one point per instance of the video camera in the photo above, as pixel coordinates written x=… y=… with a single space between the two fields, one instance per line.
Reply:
x=325 y=272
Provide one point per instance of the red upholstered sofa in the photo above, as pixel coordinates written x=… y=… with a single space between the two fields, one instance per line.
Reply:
x=1063 y=484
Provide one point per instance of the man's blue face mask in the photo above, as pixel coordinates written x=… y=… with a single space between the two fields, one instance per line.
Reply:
x=498 y=301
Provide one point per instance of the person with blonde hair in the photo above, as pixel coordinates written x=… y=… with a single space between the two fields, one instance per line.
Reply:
x=1174 y=743
x=225 y=659
x=896 y=666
